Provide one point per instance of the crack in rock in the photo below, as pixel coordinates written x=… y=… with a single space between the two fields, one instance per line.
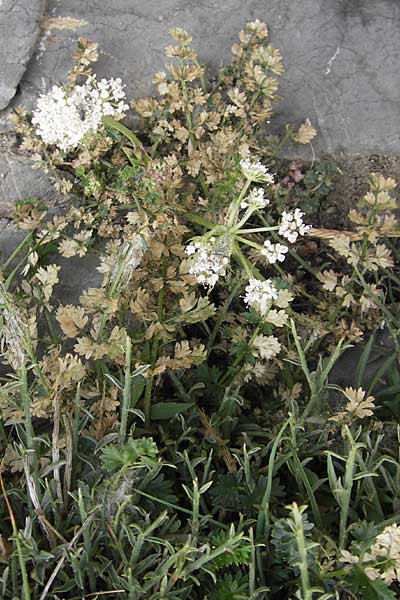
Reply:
x=331 y=61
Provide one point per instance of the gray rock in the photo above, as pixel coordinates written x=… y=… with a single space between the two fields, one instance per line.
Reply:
x=344 y=372
x=19 y=31
x=341 y=56
x=19 y=181
x=341 y=60
x=76 y=275
x=10 y=237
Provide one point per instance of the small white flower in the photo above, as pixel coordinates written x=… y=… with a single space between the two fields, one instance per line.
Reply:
x=292 y=225
x=191 y=248
x=209 y=260
x=274 y=252
x=255 y=199
x=260 y=294
x=255 y=171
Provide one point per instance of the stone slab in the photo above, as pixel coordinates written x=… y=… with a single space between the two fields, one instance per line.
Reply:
x=19 y=181
x=76 y=274
x=344 y=372
x=19 y=32
x=341 y=56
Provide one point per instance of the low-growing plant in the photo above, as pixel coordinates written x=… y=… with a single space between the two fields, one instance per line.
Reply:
x=175 y=434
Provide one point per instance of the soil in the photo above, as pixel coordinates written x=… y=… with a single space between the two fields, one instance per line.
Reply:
x=351 y=183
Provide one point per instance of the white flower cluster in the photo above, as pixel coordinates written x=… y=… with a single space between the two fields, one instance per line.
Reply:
x=64 y=117
x=383 y=559
x=274 y=252
x=292 y=225
x=209 y=260
x=255 y=171
x=260 y=294
x=266 y=346
x=255 y=199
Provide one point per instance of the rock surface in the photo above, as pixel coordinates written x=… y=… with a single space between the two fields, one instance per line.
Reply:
x=341 y=59
x=18 y=181
x=76 y=274
x=19 y=32
x=341 y=56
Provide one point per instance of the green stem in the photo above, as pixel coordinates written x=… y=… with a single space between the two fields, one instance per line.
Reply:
x=250 y=269
x=127 y=393
x=263 y=521
x=300 y=472
x=258 y=229
x=30 y=444
x=176 y=507
x=347 y=485
x=195 y=511
x=16 y=535
x=17 y=250
x=249 y=211
x=301 y=546
x=137 y=144
x=248 y=242
x=199 y=220
x=155 y=344
x=75 y=427
x=235 y=206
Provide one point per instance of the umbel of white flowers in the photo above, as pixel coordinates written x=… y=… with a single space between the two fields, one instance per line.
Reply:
x=260 y=295
x=255 y=199
x=255 y=171
x=209 y=260
x=292 y=225
x=63 y=117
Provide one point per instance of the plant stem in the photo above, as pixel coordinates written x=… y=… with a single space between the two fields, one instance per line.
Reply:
x=199 y=220
x=26 y=401
x=258 y=229
x=234 y=208
x=301 y=474
x=263 y=521
x=17 y=250
x=138 y=146
x=347 y=488
x=127 y=393
x=301 y=546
